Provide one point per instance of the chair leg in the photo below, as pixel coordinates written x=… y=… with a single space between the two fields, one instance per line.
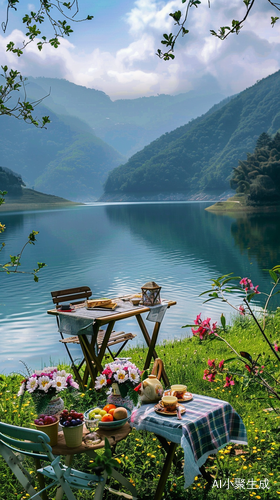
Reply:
x=100 y=488
x=121 y=479
x=21 y=474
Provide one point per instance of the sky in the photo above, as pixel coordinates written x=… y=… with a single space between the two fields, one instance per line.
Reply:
x=115 y=52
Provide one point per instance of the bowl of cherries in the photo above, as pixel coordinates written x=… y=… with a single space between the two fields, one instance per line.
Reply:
x=72 y=426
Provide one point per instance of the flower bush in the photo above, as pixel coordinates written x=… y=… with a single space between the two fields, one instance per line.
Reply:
x=45 y=384
x=221 y=287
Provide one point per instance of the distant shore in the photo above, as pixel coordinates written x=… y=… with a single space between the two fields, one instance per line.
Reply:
x=34 y=200
x=237 y=204
x=145 y=197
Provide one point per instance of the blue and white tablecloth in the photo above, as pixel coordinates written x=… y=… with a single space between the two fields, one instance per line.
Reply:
x=208 y=425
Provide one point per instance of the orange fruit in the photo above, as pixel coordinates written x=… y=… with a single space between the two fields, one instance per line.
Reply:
x=108 y=407
x=107 y=418
x=112 y=411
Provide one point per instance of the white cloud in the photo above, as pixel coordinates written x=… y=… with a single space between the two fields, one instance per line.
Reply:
x=134 y=70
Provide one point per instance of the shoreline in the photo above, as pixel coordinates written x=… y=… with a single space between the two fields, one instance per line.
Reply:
x=237 y=205
x=34 y=200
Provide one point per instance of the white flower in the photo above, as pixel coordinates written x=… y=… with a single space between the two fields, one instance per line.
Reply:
x=133 y=375
x=100 y=381
x=59 y=383
x=121 y=376
x=32 y=384
x=44 y=383
x=61 y=373
x=21 y=390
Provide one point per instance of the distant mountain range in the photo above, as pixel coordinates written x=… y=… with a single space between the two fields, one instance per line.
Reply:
x=125 y=124
x=200 y=156
x=88 y=135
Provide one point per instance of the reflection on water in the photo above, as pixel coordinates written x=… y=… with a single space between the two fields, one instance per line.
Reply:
x=115 y=249
x=259 y=236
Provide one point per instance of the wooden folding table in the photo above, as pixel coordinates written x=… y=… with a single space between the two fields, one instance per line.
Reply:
x=86 y=324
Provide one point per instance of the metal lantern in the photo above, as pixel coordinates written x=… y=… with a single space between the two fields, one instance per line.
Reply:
x=151 y=294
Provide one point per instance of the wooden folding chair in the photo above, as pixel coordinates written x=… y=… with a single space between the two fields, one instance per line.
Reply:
x=16 y=441
x=76 y=296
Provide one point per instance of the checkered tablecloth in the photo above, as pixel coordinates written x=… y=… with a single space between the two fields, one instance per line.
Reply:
x=208 y=425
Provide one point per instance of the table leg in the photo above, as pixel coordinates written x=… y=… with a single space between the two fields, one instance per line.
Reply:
x=165 y=471
x=151 y=345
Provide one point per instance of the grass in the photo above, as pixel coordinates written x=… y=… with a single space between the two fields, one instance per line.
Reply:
x=253 y=468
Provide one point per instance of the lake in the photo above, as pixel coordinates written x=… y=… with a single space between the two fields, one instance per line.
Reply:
x=117 y=248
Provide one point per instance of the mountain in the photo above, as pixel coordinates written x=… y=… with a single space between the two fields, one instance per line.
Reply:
x=200 y=156
x=66 y=159
x=125 y=124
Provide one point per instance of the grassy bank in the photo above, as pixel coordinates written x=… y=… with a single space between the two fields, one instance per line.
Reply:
x=34 y=200
x=141 y=455
x=237 y=204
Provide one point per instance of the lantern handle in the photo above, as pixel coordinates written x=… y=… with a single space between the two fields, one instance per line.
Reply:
x=157 y=368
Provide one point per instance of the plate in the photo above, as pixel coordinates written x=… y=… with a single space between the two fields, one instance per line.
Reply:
x=115 y=424
x=162 y=411
x=187 y=396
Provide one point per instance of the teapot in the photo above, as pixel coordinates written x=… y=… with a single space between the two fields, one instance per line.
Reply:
x=151 y=389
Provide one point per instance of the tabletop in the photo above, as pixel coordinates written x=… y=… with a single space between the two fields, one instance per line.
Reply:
x=208 y=425
x=81 y=317
x=113 y=437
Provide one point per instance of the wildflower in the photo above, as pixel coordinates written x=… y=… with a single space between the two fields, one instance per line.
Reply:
x=211 y=363
x=248 y=368
x=276 y=347
x=221 y=364
x=204 y=327
x=229 y=381
x=242 y=310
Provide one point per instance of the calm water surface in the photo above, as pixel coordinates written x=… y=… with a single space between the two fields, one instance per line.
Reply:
x=115 y=249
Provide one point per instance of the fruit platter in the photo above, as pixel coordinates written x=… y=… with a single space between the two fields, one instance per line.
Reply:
x=109 y=417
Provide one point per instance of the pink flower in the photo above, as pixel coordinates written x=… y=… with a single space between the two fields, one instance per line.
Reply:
x=242 y=310
x=211 y=363
x=229 y=381
x=211 y=377
x=276 y=347
x=204 y=327
x=221 y=364
x=247 y=284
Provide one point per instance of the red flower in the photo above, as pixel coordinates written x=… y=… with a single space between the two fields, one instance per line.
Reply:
x=229 y=381
x=137 y=388
x=248 y=368
x=221 y=364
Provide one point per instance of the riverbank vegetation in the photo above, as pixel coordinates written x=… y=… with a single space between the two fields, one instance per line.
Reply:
x=141 y=455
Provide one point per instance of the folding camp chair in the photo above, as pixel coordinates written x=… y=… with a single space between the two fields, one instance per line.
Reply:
x=32 y=443
x=77 y=296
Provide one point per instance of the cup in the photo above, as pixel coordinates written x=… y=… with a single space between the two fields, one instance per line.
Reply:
x=178 y=391
x=169 y=403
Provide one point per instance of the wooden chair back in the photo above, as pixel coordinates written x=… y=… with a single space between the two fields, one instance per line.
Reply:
x=71 y=295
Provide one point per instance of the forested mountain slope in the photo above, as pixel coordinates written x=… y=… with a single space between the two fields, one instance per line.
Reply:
x=202 y=154
x=125 y=124
x=66 y=159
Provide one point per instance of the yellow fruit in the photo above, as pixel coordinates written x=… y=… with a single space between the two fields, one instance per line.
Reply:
x=120 y=413
x=102 y=412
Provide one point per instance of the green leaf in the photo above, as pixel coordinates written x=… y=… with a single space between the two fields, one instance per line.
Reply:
x=223 y=321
